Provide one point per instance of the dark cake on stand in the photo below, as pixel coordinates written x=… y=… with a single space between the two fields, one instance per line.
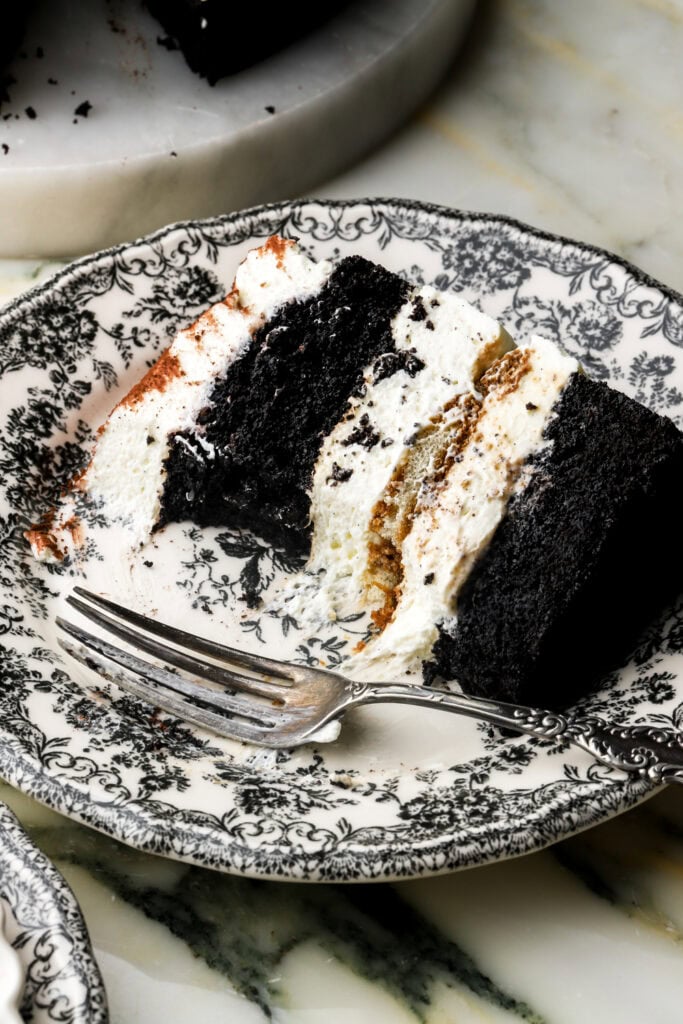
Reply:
x=219 y=38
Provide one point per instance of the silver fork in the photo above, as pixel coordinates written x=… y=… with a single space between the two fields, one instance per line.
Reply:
x=278 y=704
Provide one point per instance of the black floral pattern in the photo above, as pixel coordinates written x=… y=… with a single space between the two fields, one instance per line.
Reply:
x=177 y=298
x=487 y=260
x=44 y=925
x=592 y=326
x=54 y=334
x=70 y=347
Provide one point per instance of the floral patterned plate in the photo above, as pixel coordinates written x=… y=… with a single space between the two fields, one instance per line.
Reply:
x=402 y=793
x=45 y=952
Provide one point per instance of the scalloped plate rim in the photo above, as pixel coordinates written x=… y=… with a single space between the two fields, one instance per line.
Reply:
x=67 y=797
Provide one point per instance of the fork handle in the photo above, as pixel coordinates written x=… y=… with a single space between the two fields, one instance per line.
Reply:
x=648 y=751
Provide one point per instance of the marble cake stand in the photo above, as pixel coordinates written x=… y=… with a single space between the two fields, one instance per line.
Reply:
x=107 y=134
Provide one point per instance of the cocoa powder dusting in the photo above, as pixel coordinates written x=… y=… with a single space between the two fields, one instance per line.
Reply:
x=157 y=378
x=77 y=482
x=44 y=542
x=41 y=536
x=74 y=527
x=278 y=246
x=232 y=299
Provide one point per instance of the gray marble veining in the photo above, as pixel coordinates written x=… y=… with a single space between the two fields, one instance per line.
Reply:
x=533 y=939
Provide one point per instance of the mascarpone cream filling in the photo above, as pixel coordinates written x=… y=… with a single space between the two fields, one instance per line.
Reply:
x=447 y=344
x=127 y=472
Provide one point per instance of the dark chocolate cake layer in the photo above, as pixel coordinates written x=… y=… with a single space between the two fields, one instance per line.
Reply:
x=268 y=415
x=580 y=563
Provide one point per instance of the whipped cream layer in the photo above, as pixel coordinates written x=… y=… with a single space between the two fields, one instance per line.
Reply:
x=442 y=347
x=126 y=472
x=460 y=506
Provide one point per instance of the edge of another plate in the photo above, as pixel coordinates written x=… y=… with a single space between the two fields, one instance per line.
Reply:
x=45 y=927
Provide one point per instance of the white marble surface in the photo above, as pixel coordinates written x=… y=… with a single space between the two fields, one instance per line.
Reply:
x=567 y=116
x=157 y=143
x=590 y=930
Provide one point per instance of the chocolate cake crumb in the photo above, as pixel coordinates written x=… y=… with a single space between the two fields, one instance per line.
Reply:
x=30 y=112
x=390 y=363
x=339 y=475
x=83 y=109
x=364 y=434
x=419 y=312
x=5 y=148
x=270 y=109
x=429 y=578
x=531 y=406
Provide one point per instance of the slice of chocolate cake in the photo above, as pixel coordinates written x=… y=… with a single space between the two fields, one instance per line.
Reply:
x=488 y=505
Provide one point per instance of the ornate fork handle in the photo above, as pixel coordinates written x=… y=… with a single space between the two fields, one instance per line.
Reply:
x=644 y=750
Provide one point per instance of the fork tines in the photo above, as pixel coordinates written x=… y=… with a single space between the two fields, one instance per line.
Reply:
x=209 y=693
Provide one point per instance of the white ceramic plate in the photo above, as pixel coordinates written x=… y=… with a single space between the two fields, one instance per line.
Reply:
x=47 y=968
x=403 y=792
